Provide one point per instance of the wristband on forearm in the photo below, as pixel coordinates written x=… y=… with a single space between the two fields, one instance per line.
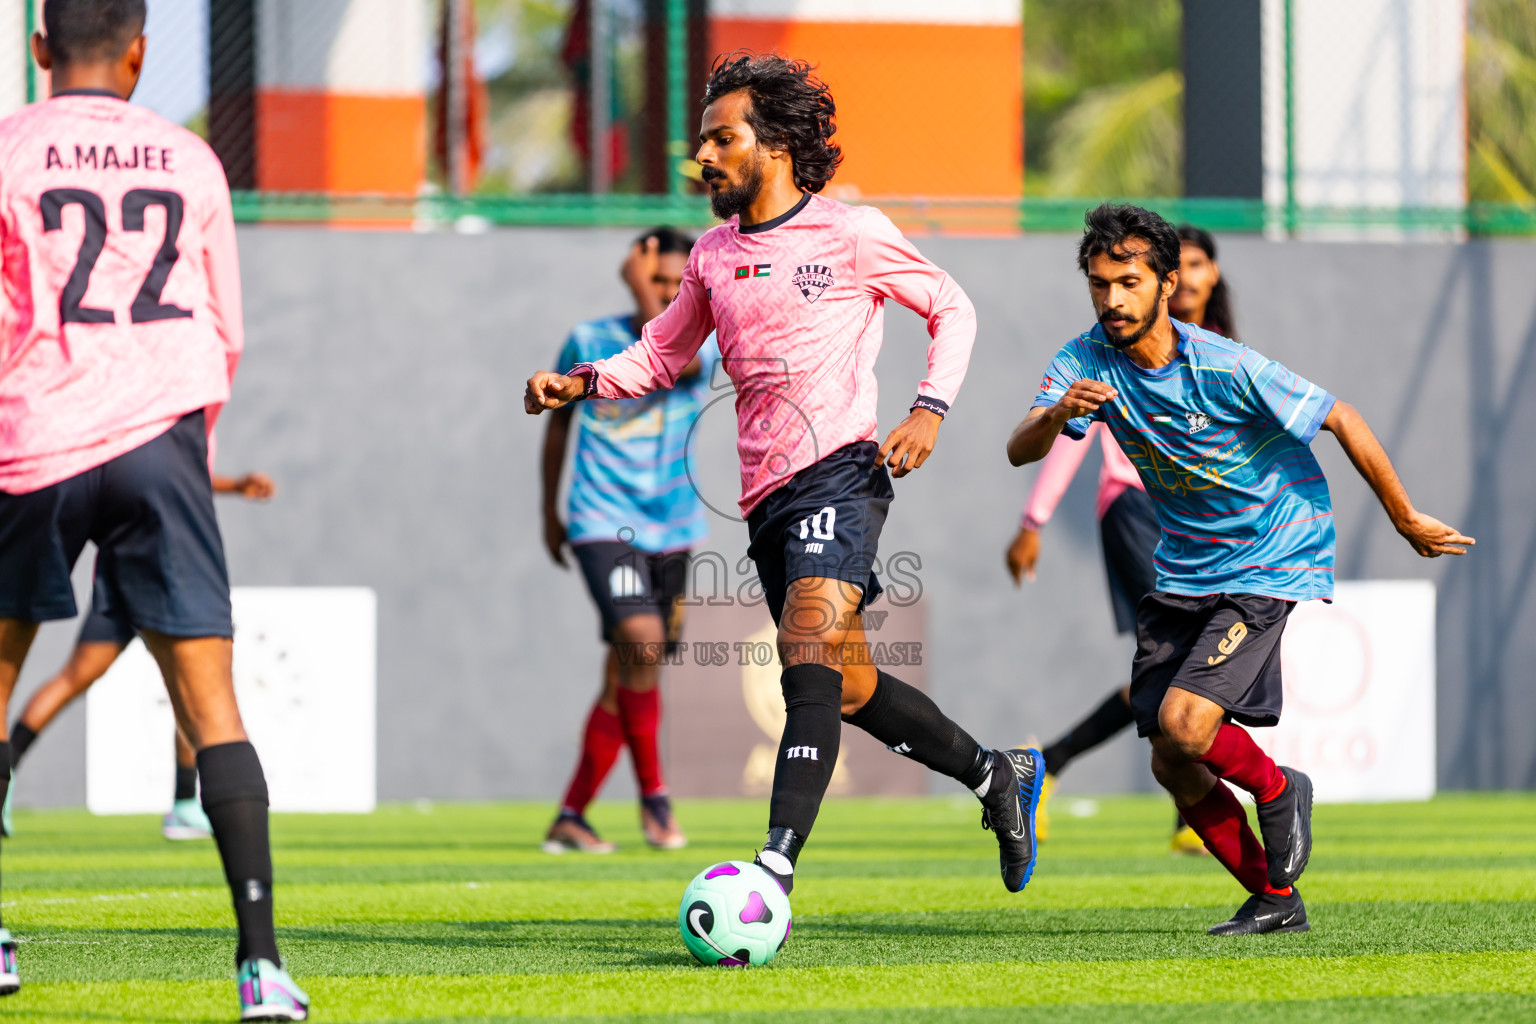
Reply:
x=588 y=373
x=930 y=403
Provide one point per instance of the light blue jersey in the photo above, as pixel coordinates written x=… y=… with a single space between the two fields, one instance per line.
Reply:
x=1220 y=437
x=630 y=469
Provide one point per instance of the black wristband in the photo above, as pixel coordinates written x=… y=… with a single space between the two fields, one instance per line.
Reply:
x=931 y=404
x=590 y=377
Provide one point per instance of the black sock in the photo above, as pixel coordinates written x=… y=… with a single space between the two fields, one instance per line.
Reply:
x=21 y=739
x=5 y=772
x=235 y=798
x=186 y=782
x=813 y=700
x=1106 y=720
x=905 y=720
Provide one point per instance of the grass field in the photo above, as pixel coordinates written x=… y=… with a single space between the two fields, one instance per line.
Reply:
x=1420 y=913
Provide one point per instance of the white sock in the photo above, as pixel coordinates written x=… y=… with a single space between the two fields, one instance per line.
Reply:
x=776 y=862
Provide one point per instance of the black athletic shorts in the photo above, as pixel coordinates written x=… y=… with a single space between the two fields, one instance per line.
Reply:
x=105 y=622
x=1225 y=647
x=1129 y=533
x=823 y=521
x=150 y=513
x=625 y=581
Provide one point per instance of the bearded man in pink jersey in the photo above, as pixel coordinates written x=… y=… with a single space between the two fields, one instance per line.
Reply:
x=120 y=330
x=795 y=286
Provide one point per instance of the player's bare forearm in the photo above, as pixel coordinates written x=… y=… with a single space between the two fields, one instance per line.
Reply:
x=1426 y=534
x=909 y=445
x=548 y=390
x=1032 y=439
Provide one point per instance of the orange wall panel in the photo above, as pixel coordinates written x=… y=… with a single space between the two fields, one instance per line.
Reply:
x=922 y=109
x=309 y=141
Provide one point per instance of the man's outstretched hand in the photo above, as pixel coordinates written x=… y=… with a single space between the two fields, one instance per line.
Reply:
x=1432 y=538
x=548 y=390
x=910 y=444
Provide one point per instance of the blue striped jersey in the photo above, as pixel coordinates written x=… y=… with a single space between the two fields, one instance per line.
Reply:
x=1220 y=437
x=629 y=472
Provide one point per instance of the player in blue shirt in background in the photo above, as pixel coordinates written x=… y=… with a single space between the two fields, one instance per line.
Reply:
x=1220 y=436
x=633 y=518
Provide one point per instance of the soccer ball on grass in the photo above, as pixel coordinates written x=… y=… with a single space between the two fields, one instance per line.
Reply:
x=734 y=915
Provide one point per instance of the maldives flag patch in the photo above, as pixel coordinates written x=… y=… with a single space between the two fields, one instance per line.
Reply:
x=742 y=272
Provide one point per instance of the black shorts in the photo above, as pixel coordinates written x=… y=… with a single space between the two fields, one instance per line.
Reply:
x=150 y=513
x=1129 y=532
x=1224 y=647
x=824 y=521
x=105 y=622
x=625 y=581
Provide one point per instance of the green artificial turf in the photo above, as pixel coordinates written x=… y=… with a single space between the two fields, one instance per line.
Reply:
x=1420 y=912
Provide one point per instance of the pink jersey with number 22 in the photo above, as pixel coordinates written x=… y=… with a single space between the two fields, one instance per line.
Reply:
x=120 y=310
x=797 y=304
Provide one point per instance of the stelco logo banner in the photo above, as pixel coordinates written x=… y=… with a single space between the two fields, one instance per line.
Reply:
x=1360 y=693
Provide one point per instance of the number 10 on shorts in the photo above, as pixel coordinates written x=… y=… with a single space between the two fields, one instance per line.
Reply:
x=819 y=525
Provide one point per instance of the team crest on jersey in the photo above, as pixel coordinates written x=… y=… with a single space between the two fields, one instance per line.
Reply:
x=812 y=280
x=1198 y=421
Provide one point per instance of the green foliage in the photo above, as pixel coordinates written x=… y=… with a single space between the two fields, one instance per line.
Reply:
x=1501 y=101
x=1103 y=90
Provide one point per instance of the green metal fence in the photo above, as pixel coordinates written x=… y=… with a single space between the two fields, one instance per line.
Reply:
x=941 y=215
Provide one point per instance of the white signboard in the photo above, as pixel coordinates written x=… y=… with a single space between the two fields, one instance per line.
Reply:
x=305 y=679
x=1359 y=712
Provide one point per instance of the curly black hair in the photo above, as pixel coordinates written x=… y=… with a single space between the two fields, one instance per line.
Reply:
x=791 y=109
x=1109 y=226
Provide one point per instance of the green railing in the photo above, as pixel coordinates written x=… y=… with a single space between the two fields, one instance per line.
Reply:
x=949 y=215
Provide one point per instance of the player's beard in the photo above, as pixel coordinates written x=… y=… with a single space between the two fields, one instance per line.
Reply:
x=1125 y=341
x=734 y=200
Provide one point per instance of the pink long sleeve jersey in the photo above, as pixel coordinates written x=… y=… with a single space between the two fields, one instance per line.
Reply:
x=798 y=306
x=120 y=310
x=1060 y=464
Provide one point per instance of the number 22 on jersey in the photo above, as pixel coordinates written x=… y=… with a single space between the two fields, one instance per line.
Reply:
x=146 y=305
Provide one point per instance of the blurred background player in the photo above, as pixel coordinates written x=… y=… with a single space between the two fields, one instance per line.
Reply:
x=795 y=284
x=119 y=339
x=1128 y=529
x=104 y=634
x=634 y=517
x=1222 y=436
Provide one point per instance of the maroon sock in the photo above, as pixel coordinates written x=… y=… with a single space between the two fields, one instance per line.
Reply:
x=640 y=712
x=600 y=746
x=1221 y=821
x=1235 y=757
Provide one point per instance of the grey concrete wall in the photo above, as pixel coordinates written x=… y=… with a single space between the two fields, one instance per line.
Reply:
x=382 y=383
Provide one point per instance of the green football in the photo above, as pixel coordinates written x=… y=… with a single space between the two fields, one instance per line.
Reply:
x=734 y=915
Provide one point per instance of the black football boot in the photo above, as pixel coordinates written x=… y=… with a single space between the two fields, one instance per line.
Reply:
x=1285 y=823
x=1266 y=912
x=1008 y=809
